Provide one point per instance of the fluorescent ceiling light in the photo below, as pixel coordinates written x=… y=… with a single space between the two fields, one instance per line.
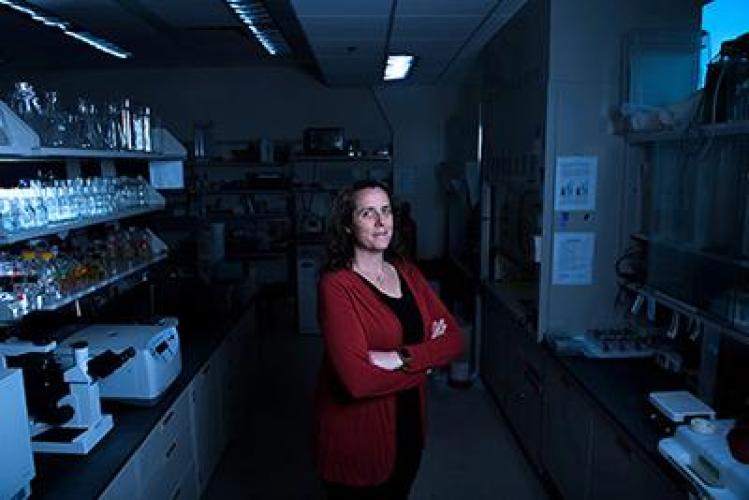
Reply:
x=255 y=16
x=398 y=66
x=67 y=28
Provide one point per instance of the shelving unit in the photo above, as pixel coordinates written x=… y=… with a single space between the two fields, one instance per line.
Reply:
x=23 y=144
x=159 y=253
x=8 y=239
x=699 y=131
x=338 y=159
x=717 y=257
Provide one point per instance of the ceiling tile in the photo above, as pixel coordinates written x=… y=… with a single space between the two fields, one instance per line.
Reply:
x=444 y=7
x=458 y=27
x=425 y=47
x=181 y=13
x=363 y=50
x=344 y=27
x=342 y=7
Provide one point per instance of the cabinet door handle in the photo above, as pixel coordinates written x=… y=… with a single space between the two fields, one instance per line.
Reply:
x=167 y=419
x=171 y=450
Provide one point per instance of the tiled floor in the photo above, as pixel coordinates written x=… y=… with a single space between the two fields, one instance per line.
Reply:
x=470 y=453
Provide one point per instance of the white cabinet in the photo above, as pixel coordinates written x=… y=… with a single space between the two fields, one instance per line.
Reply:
x=567 y=436
x=126 y=486
x=208 y=415
x=159 y=466
x=240 y=367
x=187 y=489
x=179 y=455
x=167 y=452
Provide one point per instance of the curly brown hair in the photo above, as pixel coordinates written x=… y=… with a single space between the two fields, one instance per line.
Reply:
x=339 y=238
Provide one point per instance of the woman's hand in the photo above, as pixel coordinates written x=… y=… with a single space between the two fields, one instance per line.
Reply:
x=387 y=360
x=391 y=360
x=438 y=328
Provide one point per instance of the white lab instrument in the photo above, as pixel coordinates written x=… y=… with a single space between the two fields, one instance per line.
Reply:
x=701 y=454
x=16 y=459
x=156 y=364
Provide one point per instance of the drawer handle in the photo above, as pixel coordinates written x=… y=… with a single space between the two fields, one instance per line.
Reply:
x=168 y=418
x=171 y=450
x=177 y=493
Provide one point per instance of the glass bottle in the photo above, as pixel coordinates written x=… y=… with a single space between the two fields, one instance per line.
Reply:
x=147 y=139
x=55 y=133
x=112 y=128
x=126 y=126
x=138 y=140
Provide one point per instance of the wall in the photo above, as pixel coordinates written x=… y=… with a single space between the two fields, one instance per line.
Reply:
x=586 y=41
x=278 y=103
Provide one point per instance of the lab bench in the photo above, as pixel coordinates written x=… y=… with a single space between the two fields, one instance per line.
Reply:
x=168 y=450
x=582 y=423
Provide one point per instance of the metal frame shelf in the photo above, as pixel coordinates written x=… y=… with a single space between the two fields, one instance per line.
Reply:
x=676 y=305
x=160 y=252
x=24 y=142
x=8 y=239
x=54 y=305
x=706 y=131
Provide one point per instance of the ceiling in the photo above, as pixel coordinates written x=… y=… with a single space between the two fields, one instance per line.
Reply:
x=342 y=41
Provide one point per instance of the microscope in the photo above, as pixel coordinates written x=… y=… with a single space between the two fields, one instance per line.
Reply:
x=62 y=391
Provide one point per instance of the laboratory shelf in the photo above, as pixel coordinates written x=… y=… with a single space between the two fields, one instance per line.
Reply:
x=718 y=323
x=339 y=159
x=69 y=299
x=700 y=131
x=739 y=262
x=19 y=140
x=15 y=237
x=102 y=153
x=12 y=311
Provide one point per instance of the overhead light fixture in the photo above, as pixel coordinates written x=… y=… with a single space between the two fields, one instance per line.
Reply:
x=255 y=16
x=67 y=28
x=398 y=66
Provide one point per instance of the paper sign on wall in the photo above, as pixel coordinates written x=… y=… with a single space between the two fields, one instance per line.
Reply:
x=576 y=178
x=573 y=258
x=167 y=174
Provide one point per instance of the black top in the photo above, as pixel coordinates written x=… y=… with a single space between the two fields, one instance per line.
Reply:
x=409 y=437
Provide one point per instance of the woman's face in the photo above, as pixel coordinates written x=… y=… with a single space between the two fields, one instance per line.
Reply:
x=372 y=223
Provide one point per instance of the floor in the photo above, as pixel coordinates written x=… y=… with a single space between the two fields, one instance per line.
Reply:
x=470 y=452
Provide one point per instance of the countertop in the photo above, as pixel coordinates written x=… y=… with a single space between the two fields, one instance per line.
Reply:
x=620 y=387
x=65 y=476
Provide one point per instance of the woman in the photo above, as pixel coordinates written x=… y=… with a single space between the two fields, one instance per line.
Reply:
x=384 y=329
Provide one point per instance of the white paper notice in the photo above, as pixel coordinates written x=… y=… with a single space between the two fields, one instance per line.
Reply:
x=573 y=258
x=167 y=175
x=576 y=183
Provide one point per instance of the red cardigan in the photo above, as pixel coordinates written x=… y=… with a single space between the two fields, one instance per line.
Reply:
x=355 y=402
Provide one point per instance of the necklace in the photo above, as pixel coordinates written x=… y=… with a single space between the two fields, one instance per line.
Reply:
x=378 y=277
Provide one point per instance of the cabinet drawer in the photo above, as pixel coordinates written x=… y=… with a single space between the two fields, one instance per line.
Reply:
x=567 y=435
x=187 y=488
x=168 y=468
x=125 y=485
x=158 y=443
x=621 y=471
